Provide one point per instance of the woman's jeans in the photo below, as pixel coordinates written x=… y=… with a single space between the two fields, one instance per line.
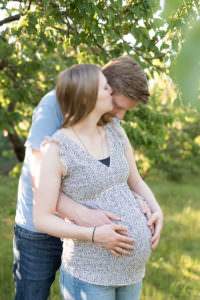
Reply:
x=37 y=257
x=75 y=289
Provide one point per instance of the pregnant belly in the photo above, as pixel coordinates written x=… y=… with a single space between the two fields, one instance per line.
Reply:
x=130 y=216
x=122 y=203
x=137 y=228
x=100 y=263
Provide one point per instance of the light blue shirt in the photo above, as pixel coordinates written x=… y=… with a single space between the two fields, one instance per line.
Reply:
x=47 y=119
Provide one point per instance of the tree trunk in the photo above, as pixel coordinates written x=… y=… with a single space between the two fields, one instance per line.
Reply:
x=17 y=145
x=16 y=142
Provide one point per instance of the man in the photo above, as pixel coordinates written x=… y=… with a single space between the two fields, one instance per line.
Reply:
x=37 y=256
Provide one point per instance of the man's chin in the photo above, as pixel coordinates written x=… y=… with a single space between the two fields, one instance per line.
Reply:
x=109 y=115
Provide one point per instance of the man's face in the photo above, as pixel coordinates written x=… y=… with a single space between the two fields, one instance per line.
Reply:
x=121 y=104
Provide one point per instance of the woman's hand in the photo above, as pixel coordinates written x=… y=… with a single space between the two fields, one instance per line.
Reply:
x=144 y=207
x=114 y=238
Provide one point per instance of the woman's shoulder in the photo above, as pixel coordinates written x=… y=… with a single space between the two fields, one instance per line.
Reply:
x=53 y=142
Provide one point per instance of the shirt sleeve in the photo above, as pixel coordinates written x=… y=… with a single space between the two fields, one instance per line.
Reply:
x=45 y=122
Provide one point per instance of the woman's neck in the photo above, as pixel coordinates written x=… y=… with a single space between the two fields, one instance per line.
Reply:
x=88 y=126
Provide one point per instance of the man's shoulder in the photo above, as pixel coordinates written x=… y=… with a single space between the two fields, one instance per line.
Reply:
x=49 y=99
x=49 y=105
x=47 y=118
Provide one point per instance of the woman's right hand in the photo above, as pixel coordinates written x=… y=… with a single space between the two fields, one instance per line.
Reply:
x=114 y=238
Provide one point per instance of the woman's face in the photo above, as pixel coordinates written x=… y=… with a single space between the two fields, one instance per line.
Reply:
x=104 y=99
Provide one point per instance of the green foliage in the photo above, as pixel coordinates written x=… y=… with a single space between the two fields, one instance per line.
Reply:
x=184 y=16
x=186 y=70
x=165 y=136
x=7 y=156
x=15 y=172
x=50 y=35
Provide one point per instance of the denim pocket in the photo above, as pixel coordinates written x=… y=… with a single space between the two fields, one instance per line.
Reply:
x=31 y=235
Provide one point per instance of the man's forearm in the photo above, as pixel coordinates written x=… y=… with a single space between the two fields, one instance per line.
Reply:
x=142 y=189
x=81 y=215
x=68 y=208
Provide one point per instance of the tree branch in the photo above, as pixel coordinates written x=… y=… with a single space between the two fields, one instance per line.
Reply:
x=3 y=64
x=16 y=17
x=10 y=19
x=29 y=6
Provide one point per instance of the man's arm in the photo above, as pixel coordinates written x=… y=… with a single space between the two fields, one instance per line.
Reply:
x=81 y=215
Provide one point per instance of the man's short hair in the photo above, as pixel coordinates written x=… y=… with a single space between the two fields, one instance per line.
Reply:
x=126 y=77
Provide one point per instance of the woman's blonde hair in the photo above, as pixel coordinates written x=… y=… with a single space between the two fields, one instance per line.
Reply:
x=77 y=91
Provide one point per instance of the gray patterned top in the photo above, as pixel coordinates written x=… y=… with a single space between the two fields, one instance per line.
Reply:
x=98 y=186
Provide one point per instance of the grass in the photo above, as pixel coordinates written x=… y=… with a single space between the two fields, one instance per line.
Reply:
x=173 y=272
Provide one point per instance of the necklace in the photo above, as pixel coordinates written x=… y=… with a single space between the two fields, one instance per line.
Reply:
x=83 y=144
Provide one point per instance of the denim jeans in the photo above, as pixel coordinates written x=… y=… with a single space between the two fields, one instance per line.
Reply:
x=75 y=289
x=37 y=257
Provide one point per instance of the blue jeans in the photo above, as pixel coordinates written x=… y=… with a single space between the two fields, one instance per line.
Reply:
x=37 y=257
x=75 y=289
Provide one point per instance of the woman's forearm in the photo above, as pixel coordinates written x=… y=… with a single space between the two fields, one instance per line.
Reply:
x=143 y=190
x=56 y=226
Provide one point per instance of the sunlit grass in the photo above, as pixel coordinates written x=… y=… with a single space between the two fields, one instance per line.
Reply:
x=173 y=271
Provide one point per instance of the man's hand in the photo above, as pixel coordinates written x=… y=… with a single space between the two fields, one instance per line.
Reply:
x=114 y=238
x=156 y=220
x=94 y=217
x=81 y=215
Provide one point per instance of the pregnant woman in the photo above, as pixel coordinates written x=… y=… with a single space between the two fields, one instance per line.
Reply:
x=92 y=161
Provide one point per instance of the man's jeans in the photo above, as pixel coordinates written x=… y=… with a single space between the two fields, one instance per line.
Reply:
x=37 y=257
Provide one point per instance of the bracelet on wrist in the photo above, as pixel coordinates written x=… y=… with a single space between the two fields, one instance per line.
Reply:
x=93 y=233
